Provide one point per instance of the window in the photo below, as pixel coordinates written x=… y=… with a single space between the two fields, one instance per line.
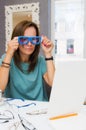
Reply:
x=69 y=28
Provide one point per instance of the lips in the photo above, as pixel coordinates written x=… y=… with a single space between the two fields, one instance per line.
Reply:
x=28 y=48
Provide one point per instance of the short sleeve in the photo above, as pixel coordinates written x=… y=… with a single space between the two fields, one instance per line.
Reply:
x=43 y=65
x=0 y=62
x=2 y=58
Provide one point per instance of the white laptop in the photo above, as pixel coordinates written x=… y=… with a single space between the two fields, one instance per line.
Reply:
x=69 y=87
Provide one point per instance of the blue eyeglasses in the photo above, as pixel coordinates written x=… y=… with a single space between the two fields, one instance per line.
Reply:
x=33 y=39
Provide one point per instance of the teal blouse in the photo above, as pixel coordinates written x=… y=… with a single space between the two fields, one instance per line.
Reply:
x=26 y=85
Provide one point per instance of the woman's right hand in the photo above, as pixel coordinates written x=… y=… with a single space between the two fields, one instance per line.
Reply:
x=12 y=46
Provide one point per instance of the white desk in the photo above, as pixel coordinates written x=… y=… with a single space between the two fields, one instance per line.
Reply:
x=40 y=121
x=71 y=123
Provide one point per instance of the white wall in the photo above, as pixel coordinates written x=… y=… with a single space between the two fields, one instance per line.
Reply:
x=85 y=29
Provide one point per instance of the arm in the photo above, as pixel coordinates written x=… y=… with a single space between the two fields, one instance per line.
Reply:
x=4 y=68
x=47 y=47
x=4 y=72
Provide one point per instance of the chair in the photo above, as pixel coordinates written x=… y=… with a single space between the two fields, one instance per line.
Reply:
x=47 y=88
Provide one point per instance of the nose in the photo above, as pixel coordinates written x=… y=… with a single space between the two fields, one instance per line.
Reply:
x=29 y=43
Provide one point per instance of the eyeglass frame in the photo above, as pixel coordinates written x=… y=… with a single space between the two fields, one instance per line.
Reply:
x=29 y=39
x=22 y=119
x=6 y=119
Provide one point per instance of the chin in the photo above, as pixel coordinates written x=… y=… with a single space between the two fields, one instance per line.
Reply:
x=27 y=53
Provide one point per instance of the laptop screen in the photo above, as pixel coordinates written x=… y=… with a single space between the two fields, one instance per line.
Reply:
x=69 y=87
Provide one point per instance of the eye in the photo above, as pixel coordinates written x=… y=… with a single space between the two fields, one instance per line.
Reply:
x=23 y=39
x=34 y=39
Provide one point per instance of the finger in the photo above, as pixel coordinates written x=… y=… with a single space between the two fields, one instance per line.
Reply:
x=48 y=44
x=15 y=38
x=15 y=47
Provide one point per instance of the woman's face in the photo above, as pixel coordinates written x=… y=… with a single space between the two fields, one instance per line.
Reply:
x=27 y=49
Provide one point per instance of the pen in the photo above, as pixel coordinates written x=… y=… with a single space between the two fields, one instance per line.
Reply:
x=26 y=105
x=63 y=116
x=10 y=99
x=38 y=112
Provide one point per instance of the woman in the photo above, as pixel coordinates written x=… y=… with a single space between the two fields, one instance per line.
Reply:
x=22 y=70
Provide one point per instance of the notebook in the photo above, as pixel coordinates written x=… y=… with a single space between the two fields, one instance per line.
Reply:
x=69 y=88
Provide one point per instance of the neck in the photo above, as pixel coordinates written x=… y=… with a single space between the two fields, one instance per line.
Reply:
x=24 y=58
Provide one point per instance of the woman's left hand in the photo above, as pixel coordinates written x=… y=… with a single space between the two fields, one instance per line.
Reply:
x=47 y=46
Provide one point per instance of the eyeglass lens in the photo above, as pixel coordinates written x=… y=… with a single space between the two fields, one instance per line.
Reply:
x=26 y=124
x=6 y=116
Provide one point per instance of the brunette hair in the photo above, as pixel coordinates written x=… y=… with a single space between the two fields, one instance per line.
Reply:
x=19 y=31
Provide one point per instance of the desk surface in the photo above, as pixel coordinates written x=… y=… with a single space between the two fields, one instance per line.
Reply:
x=35 y=113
